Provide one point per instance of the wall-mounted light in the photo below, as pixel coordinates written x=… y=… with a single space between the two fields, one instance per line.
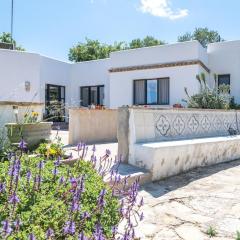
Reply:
x=15 y=111
x=27 y=86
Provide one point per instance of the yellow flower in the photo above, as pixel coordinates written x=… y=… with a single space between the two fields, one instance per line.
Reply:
x=52 y=151
x=35 y=114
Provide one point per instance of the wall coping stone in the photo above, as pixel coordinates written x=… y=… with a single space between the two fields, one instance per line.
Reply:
x=21 y=104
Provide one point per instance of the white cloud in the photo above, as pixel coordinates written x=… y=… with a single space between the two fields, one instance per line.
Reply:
x=162 y=8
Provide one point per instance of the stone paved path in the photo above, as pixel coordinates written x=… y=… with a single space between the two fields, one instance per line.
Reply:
x=185 y=206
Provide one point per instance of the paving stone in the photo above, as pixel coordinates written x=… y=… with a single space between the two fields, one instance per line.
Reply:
x=190 y=232
x=185 y=206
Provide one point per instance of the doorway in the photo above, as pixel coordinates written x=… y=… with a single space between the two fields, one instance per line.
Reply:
x=55 y=103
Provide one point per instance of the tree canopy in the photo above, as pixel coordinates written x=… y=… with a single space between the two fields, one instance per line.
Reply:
x=6 y=38
x=148 y=41
x=203 y=35
x=93 y=49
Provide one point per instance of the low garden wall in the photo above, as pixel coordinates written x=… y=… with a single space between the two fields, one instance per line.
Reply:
x=171 y=141
x=92 y=126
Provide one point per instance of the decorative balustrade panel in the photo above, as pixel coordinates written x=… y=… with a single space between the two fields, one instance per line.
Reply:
x=162 y=125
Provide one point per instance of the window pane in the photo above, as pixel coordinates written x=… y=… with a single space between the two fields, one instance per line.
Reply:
x=152 y=92
x=139 y=92
x=101 y=95
x=94 y=95
x=84 y=97
x=224 y=79
x=163 y=96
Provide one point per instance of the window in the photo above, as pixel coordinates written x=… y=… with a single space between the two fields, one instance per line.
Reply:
x=224 y=79
x=151 y=92
x=92 y=95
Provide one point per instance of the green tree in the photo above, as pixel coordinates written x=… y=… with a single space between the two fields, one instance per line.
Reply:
x=92 y=50
x=148 y=41
x=203 y=35
x=6 y=38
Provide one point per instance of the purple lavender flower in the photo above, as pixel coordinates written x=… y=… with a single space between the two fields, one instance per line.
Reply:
x=22 y=145
x=98 y=234
x=2 y=187
x=61 y=180
x=31 y=236
x=17 y=224
x=37 y=181
x=85 y=215
x=29 y=175
x=6 y=228
x=57 y=163
x=69 y=228
x=14 y=199
x=40 y=165
x=79 y=147
x=55 y=171
x=49 y=233
x=141 y=216
x=141 y=202
x=81 y=236
x=73 y=182
x=74 y=206
x=114 y=230
x=94 y=148
x=101 y=201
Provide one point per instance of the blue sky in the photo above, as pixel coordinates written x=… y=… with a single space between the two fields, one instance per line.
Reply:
x=51 y=27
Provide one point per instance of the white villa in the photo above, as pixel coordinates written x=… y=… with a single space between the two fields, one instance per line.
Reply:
x=147 y=76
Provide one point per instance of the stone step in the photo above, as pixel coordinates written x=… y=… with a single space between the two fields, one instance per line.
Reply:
x=133 y=173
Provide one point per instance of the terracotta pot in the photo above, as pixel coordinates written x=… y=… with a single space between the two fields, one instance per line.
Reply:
x=31 y=133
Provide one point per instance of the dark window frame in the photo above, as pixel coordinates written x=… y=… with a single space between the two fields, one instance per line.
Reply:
x=224 y=75
x=89 y=93
x=61 y=99
x=145 y=93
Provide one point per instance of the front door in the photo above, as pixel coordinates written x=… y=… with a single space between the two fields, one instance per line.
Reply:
x=55 y=103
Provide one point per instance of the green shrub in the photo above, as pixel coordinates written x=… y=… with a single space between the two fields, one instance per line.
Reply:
x=209 y=98
x=47 y=203
x=50 y=150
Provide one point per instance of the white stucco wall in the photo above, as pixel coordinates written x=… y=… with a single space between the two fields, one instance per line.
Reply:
x=121 y=83
x=57 y=73
x=224 y=58
x=17 y=68
x=159 y=54
x=89 y=73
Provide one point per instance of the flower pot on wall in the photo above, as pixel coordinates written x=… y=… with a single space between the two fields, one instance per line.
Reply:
x=31 y=133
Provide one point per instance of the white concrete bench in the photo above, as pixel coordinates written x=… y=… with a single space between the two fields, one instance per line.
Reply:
x=165 y=159
x=167 y=142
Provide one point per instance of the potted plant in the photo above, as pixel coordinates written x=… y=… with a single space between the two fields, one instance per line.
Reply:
x=30 y=129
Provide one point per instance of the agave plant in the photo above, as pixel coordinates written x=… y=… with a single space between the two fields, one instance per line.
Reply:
x=209 y=98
